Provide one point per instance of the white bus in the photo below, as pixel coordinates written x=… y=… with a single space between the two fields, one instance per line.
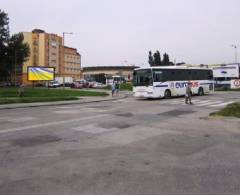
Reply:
x=157 y=82
x=223 y=74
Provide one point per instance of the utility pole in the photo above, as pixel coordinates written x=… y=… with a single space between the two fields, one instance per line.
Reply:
x=63 y=71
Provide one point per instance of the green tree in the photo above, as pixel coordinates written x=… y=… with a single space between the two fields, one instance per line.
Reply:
x=166 y=60
x=13 y=52
x=17 y=53
x=157 y=59
x=4 y=36
x=150 y=58
x=4 y=29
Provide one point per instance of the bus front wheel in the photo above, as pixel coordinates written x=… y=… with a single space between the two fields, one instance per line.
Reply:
x=200 y=91
x=167 y=94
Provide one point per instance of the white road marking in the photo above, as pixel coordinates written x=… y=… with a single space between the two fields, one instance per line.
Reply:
x=209 y=103
x=199 y=103
x=92 y=129
x=4 y=118
x=50 y=124
x=195 y=101
x=223 y=104
x=172 y=102
x=63 y=107
x=21 y=119
x=68 y=111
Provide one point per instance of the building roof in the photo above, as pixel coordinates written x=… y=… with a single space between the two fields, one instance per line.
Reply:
x=71 y=50
x=91 y=68
x=38 y=31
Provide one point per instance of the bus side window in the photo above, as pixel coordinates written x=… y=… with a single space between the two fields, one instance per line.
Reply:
x=158 y=76
x=210 y=75
x=191 y=74
x=173 y=75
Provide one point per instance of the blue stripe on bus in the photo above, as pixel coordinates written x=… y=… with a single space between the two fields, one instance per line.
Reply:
x=161 y=86
x=205 y=83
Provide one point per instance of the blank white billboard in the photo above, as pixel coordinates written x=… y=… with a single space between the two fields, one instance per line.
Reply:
x=226 y=71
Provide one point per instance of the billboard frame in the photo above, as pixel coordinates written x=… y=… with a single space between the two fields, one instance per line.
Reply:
x=54 y=68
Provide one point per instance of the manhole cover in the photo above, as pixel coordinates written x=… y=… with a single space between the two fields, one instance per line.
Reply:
x=33 y=141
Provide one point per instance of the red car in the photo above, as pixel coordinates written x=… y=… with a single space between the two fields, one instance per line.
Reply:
x=76 y=85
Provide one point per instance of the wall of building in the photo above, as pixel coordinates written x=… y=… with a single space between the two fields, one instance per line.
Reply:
x=28 y=38
x=41 y=50
x=72 y=63
x=54 y=50
x=46 y=50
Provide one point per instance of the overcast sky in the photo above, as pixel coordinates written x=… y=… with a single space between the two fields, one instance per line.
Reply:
x=120 y=32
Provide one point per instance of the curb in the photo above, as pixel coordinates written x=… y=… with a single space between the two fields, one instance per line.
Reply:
x=11 y=106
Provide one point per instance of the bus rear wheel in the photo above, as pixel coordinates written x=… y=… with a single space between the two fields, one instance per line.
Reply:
x=200 y=91
x=167 y=94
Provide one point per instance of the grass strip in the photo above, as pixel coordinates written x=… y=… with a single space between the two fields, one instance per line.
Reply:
x=231 y=110
x=28 y=92
x=10 y=95
x=34 y=99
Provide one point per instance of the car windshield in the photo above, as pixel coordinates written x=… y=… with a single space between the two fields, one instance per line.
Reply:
x=142 y=77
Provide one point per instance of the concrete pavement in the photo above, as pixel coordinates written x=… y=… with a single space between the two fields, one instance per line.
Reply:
x=124 y=146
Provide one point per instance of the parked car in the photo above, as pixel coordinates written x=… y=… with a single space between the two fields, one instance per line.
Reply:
x=84 y=83
x=54 y=84
x=76 y=85
x=98 y=85
x=5 y=84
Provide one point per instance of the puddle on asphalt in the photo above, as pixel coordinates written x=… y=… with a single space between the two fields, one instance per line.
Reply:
x=118 y=125
x=176 y=113
x=34 y=141
x=127 y=114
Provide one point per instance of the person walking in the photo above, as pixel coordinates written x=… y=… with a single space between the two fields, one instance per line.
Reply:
x=117 y=88
x=113 y=88
x=188 y=94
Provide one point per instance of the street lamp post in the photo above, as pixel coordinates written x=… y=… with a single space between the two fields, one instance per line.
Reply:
x=236 y=52
x=63 y=71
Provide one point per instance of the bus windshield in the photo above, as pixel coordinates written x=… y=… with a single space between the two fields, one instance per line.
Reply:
x=142 y=77
x=158 y=75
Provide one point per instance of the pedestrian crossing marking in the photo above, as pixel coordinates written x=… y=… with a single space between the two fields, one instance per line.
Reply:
x=222 y=104
x=199 y=102
x=209 y=103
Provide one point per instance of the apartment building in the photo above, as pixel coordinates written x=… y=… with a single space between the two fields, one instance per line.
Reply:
x=46 y=50
x=72 y=63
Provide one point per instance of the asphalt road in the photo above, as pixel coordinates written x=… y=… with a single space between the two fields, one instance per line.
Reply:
x=121 y=147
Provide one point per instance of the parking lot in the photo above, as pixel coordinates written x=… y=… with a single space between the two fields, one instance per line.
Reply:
x=124 y=146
